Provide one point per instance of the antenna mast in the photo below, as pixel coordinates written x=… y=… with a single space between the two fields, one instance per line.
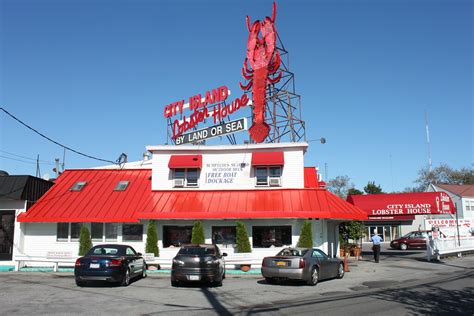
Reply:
x=428 y=141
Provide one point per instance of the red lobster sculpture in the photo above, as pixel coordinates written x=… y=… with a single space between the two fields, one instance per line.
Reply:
x=265 y=60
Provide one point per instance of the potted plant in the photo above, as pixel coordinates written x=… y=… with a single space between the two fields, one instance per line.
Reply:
x=355 y=231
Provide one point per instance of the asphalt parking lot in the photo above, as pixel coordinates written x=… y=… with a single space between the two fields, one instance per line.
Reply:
x=56 y=293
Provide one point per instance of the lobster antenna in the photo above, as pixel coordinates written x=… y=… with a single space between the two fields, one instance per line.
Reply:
x=248 y=22
x=274 y=11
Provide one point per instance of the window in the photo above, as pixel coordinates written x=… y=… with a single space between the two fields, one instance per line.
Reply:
x=469 y=205
x=108 y=250
x=75 y=231
x=78 y=186
x=267 y=236
x=319 y=254
x=62 y=233
x=130 y=252
x=189 y=177
x=111 y=231
x=97 y=231
x=266 y=176
x=223 y=235
x=121 y=186
x=132 y=232
x=175 y=236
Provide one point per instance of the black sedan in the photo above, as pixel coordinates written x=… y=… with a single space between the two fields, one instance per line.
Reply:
x=198 y=263
x=111 y=263
x=309 y=265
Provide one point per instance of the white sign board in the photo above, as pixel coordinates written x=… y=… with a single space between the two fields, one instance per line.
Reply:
x=229 y=173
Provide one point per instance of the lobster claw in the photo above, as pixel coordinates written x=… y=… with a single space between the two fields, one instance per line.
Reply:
x=275 y=65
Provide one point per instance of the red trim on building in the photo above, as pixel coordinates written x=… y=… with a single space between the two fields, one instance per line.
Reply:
x=402 y=204
x=98 y=202
x=310 y=177
x=185 y=161
x=275 y=158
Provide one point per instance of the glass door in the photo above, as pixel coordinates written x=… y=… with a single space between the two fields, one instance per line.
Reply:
x=7 y=225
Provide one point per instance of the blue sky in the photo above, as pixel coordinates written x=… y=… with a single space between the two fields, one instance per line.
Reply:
x=95 y=76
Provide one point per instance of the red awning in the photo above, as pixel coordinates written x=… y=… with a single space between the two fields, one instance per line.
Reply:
x=185 y=161
x=275 y=158
x=98 y=202
x=402 y=204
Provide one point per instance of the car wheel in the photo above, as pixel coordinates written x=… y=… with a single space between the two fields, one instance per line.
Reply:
x=126 y=278
x=340 y=271
x=403 y=246
x=144 y=275
x=174 y=283
x=80 y=283
x=223 y=276
x=218 y=283
x=314 y=277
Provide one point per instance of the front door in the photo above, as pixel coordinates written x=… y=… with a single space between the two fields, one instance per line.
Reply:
x=7 y=226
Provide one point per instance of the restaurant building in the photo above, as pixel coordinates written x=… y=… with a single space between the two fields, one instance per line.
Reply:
x=264 y=185
x=394 y=215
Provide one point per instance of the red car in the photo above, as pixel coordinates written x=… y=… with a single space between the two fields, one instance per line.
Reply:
x=415 y=239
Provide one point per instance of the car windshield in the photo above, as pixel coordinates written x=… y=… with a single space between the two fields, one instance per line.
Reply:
x=292 y=252
x=197 y=251
x=105 y=251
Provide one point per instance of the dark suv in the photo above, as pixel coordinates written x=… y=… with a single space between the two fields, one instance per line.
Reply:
x=415 y=239
x=198 y=263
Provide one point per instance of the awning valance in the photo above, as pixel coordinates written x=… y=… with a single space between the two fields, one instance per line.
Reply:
x=275 y=158
x=185 y=161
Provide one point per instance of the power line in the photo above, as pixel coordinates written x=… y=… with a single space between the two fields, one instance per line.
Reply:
x=53 y=141
x=24 y=157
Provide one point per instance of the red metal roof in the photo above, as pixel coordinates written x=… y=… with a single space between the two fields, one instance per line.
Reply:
x=464 y=190
x=274 y=158
x=98 y=202
x=185 y=161
x=421 y=203
x=310 y=177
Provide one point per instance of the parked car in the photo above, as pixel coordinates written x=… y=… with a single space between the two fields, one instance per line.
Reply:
x=306 y=264
x=111 y=263
x=198 y=263
x=415 y=239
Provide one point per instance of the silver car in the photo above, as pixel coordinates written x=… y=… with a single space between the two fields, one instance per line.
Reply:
x=309 y=265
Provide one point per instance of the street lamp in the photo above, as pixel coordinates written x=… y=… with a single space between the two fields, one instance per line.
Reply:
x=322 y=140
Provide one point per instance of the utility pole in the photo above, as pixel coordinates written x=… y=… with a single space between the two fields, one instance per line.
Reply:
x=428 y=141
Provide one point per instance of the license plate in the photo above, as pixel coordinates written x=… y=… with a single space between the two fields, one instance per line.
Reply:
x=193 y=277
x=281 y=263
x=94 y=265
x=196 y=259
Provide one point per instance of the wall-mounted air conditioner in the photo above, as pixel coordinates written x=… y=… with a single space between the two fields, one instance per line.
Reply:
x=274 y=182
x=178 y=183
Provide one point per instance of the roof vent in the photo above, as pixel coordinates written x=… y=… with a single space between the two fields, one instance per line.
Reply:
x=78 y=186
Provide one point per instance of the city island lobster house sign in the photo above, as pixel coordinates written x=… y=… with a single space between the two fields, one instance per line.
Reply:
x=264 y=60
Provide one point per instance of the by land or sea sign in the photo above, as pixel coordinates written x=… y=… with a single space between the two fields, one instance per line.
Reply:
x=213 y=131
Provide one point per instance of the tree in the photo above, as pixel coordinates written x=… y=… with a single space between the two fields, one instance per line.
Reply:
x=152 y=239
x=85 y=243
x=372 y=188
x=306 y=236
x=340 y=186
x=443 y=174
x=243 y=243
x=197 y=235
x=355 y=230
x=354 y=191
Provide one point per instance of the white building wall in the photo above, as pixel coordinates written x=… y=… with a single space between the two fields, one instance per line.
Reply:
x=228 y=159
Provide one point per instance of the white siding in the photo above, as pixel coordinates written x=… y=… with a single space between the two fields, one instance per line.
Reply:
x=233 y=159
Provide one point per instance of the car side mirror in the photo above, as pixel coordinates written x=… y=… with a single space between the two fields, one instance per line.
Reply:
x=224 y=254
x=139 y=254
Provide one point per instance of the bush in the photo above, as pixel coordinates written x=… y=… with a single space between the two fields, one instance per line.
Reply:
x=243 y=244
x=85 y=243
x=197 y=236
x=152 y=239
x=306 y=236
x=355 y=230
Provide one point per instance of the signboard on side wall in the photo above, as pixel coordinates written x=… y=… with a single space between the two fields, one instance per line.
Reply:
x=223 y=129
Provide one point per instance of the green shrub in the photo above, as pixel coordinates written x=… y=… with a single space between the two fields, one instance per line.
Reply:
x=306 y=236
x=152 y=239
x=243 y=244
x=197 y=236
x=85 y=243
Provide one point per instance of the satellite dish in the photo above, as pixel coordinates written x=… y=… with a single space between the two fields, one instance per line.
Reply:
x=46 y=177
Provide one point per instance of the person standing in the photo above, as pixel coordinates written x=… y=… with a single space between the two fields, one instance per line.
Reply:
x=376 y=239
